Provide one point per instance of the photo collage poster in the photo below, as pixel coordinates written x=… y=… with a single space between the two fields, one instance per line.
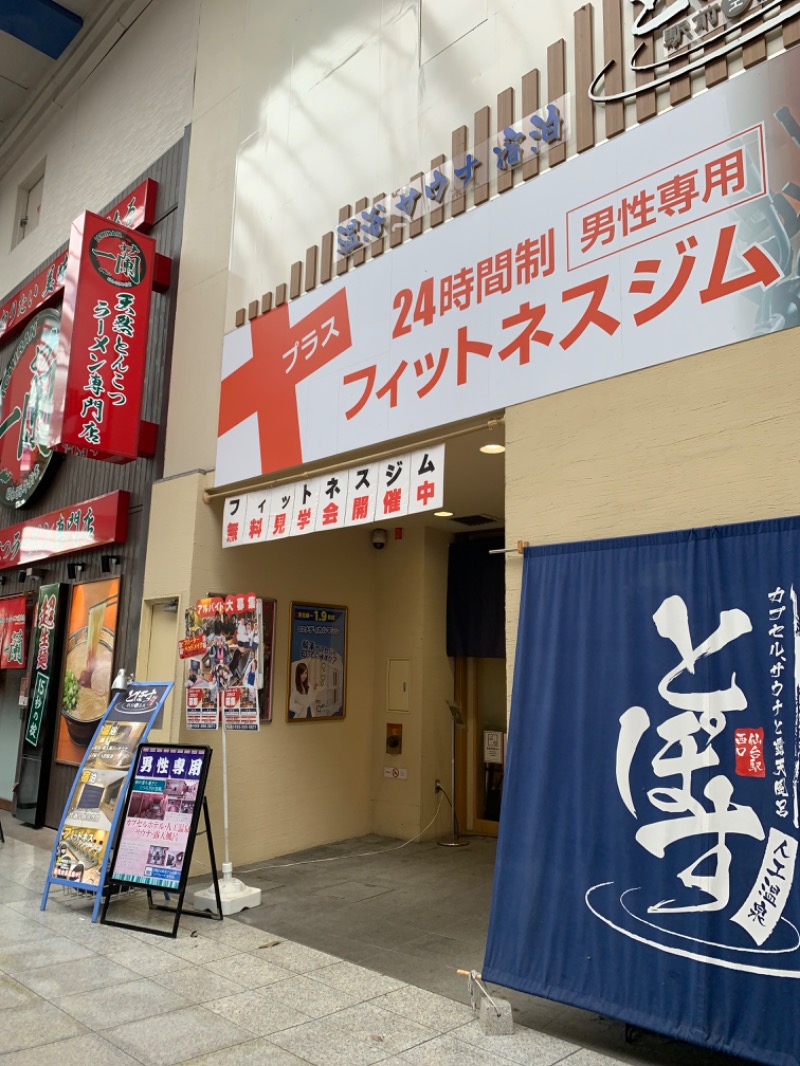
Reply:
x=227 y=646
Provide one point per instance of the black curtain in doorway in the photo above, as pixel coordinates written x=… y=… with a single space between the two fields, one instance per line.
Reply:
x=476 y=606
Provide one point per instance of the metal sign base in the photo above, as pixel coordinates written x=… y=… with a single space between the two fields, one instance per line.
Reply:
x=235 y=894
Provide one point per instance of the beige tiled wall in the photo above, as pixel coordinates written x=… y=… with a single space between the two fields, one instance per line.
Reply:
x=710 y=439
x=302 y=783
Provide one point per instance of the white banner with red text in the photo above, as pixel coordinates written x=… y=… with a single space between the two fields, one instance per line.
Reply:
x=675 y=238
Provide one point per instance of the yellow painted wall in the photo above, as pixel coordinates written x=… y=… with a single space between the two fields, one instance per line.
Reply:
x=296 y=784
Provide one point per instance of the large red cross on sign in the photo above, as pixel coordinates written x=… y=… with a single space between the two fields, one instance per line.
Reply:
x=266 y=385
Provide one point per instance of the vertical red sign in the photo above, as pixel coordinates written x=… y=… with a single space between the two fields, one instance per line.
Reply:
x=12 y=632
x=102 y=350
x=750 y=752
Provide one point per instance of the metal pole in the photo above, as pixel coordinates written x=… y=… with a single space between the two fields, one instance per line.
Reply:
x=455 y=842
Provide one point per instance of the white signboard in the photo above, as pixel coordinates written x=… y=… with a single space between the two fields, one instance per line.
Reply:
x=657 y=245
x=404 y=485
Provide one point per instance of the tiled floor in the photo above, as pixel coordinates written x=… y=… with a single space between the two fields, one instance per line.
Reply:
x=346 y=962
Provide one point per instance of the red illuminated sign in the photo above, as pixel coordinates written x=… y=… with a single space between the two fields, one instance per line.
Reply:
x=103 y=520
x=102 y=351
x=26 y=401
x=12 y=632
x=137 y=210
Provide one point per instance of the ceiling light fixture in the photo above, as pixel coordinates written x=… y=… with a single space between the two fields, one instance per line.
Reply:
x=493 y=446
x=442 y=514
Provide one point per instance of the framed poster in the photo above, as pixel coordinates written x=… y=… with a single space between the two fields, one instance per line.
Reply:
x=317 y=662
x=88 y=665
x=161 y=814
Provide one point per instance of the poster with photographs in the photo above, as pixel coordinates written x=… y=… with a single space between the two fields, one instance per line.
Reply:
x=228 y=646
x=83 y=835
x=88 y=666
x=161 y=813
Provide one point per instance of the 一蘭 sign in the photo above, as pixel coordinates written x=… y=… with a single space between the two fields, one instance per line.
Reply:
x=26 y=405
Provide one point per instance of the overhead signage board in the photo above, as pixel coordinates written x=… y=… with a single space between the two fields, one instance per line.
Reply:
x=654 y=246
x=102 y=349
x=136 y=210
x=515 y=145
x=688 y=35
x=91 y=524
x=372 y=492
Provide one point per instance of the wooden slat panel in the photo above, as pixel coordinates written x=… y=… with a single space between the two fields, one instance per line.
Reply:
x=480 y=149
x=240 y=317
x=716 y=71
x=326 y=258
x=458 y=202
x=612 y=49
x=791 y=32
x=280 y=295
x=359 y=256
x=295 y=280
x=584 y=73
x=437 y=213
x=312 y=255
x=415 y=227
x=266 y=303
x=397 y=229
x=680 y=88
x=556 y=86
x=645 y=102
x=754 y=52
x=505 y=116
x=530 y=103
x=252 y=310
x=343 y=262
x=377 y=247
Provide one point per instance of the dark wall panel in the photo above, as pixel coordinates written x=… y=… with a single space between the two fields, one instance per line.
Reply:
x=78 y=479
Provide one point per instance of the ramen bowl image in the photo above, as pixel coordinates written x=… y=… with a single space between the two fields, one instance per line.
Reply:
x=87 y=681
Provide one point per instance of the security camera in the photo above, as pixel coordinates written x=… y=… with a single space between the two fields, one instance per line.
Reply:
x=379 y=539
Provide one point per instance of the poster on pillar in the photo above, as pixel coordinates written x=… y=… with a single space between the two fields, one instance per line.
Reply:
x=677 y=238
x=228 y=647
x=651 y=814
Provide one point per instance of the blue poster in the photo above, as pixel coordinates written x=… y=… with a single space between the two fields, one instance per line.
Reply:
x=649 y=836
x=317 y=662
